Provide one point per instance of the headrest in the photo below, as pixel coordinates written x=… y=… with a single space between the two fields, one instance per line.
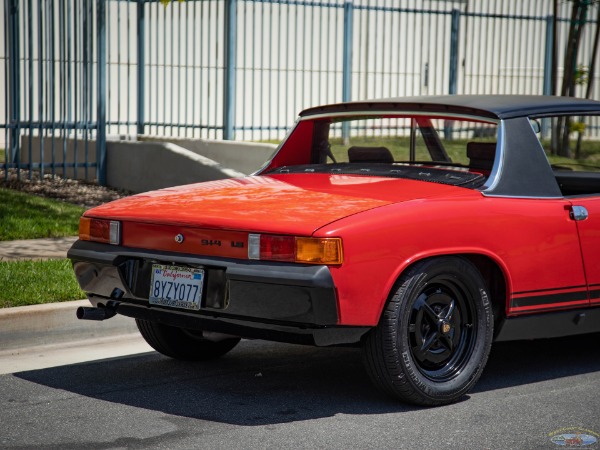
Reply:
x=481 y=150
x=370 y=154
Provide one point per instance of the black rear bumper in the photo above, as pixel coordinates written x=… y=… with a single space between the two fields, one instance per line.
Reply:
x=254 y=299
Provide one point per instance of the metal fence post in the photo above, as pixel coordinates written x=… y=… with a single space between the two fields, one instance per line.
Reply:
x=14 y=83
x=347 y=61
x=548 y=56
x=141 y=64
x=229 y=73
x=548 y=64
x=453 y=76
x=101 y=110
x=454 y=29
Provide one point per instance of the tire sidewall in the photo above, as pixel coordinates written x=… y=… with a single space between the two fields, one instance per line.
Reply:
x=466 y=275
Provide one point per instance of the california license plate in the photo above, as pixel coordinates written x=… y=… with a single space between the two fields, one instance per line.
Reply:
x=176 y=287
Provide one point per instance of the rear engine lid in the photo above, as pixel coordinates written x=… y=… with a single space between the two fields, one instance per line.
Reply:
x=296 y=204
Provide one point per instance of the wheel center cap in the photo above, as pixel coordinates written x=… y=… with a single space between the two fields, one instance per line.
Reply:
x=445 y=328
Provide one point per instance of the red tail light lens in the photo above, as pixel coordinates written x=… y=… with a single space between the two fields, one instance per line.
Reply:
x=277 y=248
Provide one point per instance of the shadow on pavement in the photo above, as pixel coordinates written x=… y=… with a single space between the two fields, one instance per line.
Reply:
x=257 y=383
x=523 y=362
x=261 y=383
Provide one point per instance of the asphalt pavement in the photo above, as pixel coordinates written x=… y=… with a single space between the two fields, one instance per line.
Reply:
x=267 y=395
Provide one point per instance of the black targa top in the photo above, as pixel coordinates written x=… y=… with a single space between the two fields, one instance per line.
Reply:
x=492 y=106
x=521 y=168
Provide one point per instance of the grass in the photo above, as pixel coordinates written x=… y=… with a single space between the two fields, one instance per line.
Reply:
x=25 y=216
x=35 y=282
x=456 y=149
x=399 y=146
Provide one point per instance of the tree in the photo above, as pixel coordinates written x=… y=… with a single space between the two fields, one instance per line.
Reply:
x=574 y=74
x=166 y=2
x=590 y=77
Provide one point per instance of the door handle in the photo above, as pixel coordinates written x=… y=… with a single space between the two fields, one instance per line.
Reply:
x=578 y=213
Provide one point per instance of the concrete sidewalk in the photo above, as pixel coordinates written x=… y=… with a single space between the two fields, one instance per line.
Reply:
x=51 y=323
x=36 y=248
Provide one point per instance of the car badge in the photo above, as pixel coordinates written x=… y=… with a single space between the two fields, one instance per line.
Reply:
x=179 y=238
x=446 y=327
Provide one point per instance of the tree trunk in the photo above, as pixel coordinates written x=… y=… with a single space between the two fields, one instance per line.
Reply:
x=590 y=81
x=558 y=132
x=554 y=76
x=578 y=16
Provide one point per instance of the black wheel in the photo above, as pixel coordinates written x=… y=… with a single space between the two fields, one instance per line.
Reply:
x=180 y=343
x=435 y=334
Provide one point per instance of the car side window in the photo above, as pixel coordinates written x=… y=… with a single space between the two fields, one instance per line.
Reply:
x=572 y=146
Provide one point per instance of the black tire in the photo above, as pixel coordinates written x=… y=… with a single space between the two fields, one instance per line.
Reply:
x=435 y=333
x=183 y=344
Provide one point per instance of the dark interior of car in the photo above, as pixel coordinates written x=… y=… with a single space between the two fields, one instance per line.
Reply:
x=578 y=183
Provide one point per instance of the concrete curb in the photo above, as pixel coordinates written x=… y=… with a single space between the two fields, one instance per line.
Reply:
x=54 y=323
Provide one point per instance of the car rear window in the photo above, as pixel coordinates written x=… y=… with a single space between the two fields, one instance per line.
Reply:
x=455 y=150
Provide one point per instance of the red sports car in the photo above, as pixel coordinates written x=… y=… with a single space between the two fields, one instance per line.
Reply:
x=421 y=229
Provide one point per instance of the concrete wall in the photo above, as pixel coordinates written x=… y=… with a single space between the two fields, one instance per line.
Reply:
x=246 y=157
x=74 y=151
x=144 y=166
x=153 y=163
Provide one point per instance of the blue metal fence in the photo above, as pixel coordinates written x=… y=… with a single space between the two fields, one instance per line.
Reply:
x=50 y=75
x=78 y=73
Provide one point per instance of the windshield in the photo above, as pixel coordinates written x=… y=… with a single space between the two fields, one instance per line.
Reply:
x=447 y=150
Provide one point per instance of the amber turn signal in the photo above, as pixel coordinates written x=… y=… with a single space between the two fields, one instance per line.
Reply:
x=319 y=250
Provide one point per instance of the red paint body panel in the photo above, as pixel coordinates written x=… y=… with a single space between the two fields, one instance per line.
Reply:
x=295 y=150
x=520 y=235
x=197 y=241
x=285 y=204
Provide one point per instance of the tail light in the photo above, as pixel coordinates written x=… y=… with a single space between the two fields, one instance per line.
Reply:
x=100 y=230
x=295 y=249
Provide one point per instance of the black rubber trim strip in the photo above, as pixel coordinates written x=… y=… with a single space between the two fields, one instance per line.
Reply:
x=549 y=325
x=537 y=300
x=549 y=290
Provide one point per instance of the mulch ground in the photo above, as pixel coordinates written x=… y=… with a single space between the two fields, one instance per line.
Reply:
x=82 y=193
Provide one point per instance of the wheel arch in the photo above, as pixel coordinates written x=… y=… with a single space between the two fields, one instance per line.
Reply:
x=493 y=271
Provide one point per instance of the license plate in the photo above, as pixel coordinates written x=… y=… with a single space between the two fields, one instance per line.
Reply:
x=176 y=287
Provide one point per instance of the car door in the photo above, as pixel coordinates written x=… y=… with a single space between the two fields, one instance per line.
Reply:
x=586 y=212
